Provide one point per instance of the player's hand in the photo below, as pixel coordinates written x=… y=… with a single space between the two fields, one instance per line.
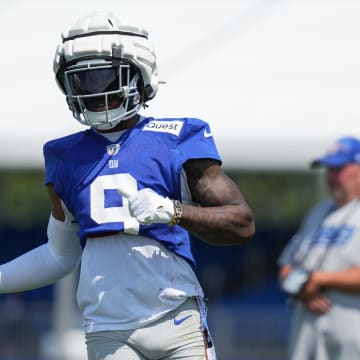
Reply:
x=312 y=297
x=149 y=207
x=318 y=304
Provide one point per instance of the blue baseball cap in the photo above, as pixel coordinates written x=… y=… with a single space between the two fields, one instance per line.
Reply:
x=346 y=150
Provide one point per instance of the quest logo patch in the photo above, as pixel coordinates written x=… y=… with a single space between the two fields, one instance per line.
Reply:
x=173 y=127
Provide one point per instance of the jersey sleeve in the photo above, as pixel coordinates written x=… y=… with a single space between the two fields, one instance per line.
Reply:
x=57 y=153
x=54 y=166
x=197 y=141
x=51 y=164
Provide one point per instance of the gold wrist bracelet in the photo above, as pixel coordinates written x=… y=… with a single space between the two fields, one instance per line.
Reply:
x=177 y=213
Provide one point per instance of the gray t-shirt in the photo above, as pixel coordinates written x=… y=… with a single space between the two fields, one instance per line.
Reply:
x=329 y=240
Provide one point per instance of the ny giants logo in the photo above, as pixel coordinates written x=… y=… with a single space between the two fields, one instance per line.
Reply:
x=113 y=149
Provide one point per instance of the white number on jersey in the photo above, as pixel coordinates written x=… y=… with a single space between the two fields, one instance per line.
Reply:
x=100 y=214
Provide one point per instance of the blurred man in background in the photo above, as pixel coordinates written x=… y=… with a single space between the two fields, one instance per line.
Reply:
x=320 y=267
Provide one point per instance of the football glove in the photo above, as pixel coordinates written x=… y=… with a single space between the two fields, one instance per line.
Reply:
x=148 y=207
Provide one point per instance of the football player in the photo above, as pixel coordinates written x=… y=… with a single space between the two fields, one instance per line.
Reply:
x=126 y=194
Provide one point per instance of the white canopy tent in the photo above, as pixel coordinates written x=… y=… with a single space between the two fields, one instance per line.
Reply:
x=277 y=80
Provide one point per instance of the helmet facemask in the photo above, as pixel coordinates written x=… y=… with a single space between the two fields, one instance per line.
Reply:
x=102 y=95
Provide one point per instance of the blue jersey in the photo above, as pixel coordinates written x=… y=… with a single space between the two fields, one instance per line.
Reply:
x=86 y=170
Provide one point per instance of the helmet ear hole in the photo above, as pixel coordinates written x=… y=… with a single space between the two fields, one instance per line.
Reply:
x=74 y=106
x=60 y=80
x=148 y=92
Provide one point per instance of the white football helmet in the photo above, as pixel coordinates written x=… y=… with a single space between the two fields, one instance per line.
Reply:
x=106 y=68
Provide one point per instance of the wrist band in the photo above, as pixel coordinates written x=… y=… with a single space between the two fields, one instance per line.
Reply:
x=177 y=213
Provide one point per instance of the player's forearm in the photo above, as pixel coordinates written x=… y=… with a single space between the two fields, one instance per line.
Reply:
x=45 y=264
x=220 y=225
x=34 y=269
x=346 y=280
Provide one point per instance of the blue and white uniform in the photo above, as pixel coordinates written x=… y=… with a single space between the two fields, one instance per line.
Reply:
x=131 y=274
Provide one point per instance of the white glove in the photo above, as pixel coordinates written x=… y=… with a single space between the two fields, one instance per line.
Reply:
x=149 y=207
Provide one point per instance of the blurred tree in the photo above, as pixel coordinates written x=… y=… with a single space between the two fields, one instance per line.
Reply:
x=280 y=198
x=23 y=198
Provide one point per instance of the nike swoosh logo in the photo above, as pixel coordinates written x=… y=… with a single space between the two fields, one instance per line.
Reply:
x=207 y=134
x=179 y=321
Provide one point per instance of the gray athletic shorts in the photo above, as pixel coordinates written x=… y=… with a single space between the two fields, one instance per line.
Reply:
x=181 y=334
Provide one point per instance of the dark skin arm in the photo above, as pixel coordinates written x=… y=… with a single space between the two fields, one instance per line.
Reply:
x=56 y=208
x=223 y=217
